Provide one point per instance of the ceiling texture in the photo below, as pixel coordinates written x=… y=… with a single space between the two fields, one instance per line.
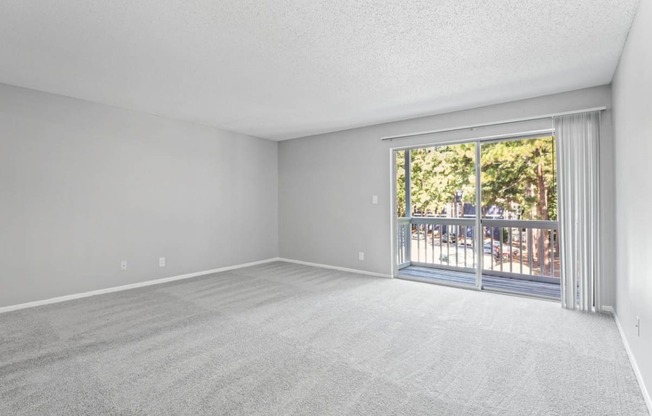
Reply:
x=282 y=69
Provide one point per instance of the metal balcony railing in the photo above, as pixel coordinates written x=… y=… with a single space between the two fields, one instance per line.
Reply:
x=518 y=249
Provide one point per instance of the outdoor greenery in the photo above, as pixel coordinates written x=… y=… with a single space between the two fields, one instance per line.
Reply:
x=518 y=176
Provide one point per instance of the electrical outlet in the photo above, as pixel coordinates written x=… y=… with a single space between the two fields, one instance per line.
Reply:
x=123 y=265
x=374 y=199
x=361 y=255
x=161 y=262
x=638 y=326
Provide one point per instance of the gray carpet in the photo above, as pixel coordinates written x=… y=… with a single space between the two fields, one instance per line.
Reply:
x=282 y=339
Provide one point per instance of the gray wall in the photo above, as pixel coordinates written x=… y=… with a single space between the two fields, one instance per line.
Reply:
x=326 y=182
x=632 y=95
x=84 y=186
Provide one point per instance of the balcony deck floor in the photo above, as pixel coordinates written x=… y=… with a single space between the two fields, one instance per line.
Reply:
x=493 y=283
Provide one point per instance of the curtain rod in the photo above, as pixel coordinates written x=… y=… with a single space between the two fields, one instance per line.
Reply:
x=484 y=139
x=497 y=123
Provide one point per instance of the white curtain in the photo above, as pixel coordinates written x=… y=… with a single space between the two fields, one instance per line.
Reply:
x=578 y=138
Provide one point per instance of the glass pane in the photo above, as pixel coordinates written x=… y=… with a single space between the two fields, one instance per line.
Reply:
x=519 y=179
x=443 y=181
x=519 y=209
x=438 y=238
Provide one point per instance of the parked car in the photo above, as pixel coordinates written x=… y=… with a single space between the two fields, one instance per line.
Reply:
x=506 y=254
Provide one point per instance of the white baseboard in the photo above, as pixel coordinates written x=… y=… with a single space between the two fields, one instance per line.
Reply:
x=130 y=286
x=326 y=266
x=632 y=360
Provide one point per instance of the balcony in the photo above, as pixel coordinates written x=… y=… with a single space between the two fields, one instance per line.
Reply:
x=520 y=257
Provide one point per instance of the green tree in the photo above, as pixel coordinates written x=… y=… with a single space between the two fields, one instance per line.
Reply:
x=517 y=175
x=521 y=174
x=437 y=174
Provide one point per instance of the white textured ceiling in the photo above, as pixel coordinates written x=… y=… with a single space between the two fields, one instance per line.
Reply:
x=289 y=68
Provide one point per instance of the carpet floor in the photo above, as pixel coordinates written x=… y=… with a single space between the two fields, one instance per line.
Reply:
x=285 y=339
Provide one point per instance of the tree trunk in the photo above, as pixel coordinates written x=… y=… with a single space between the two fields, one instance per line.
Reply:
x=542 y=236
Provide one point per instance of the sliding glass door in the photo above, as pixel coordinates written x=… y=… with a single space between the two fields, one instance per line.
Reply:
x=436 y=214
x=519 y=214
x=508 y=241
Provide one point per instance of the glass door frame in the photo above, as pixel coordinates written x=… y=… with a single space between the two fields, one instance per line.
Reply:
x=479 y=230
x=479 y=233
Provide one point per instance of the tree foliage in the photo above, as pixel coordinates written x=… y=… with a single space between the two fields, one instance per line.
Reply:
x=518 y=176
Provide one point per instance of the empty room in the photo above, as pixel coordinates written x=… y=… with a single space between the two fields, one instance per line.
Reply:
x=325 y=207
